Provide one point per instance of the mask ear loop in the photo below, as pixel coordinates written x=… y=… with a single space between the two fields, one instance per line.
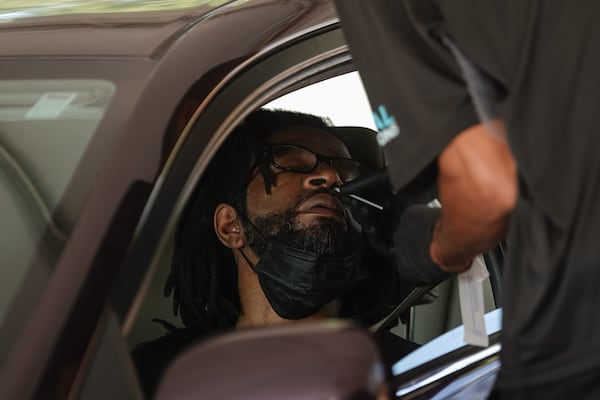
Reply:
x=245 y=217
x=252 y=266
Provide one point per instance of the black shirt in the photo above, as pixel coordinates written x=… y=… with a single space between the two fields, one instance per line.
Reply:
x=151 y=358
x=543 y=57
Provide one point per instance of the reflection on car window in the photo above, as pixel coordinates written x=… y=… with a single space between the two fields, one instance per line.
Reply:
x=45 y=126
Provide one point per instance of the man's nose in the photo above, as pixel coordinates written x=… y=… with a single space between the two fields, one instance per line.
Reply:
x=324 y=175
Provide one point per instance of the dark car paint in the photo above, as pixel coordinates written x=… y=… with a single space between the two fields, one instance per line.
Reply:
x=135 y=145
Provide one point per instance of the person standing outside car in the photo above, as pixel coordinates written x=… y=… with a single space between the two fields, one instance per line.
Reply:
x=538 y=185
x=264 y=241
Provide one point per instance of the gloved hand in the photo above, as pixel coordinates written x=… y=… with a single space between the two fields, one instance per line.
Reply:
x=412 y=237
x=378 y=225
x=374 y=188
x=374 y=226
x=400 y=240
x=400 y=236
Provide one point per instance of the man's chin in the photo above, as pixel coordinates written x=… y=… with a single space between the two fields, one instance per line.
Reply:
x=322 y=235
x=305 y=231
x=310 y=220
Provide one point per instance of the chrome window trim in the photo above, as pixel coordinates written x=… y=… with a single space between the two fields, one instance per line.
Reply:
x=448 y=370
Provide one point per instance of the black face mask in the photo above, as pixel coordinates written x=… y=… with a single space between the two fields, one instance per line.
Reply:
x=298 y=283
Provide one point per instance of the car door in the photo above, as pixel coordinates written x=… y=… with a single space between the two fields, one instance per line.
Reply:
x=61 y=327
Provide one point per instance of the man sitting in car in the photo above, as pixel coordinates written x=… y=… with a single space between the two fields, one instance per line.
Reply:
x=265 y=241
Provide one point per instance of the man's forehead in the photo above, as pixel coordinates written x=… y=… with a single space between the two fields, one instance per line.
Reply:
x=315 y=139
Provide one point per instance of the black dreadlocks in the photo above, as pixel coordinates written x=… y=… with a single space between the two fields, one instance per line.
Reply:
x=203 y=276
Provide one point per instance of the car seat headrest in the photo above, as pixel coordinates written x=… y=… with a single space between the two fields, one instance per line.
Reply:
x=362 y=144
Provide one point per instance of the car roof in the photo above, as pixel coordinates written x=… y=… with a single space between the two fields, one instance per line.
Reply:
x=103 y=31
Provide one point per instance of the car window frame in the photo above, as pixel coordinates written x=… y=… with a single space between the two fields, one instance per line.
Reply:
x=301 y=61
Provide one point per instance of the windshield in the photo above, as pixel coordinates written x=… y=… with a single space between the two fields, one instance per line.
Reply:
x=45 y=126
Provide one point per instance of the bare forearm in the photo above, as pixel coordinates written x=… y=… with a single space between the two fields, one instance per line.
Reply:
x=454 y=245
x=477 y=187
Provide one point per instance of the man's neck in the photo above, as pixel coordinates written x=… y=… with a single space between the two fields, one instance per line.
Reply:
x=269 y=318
x=256 y=309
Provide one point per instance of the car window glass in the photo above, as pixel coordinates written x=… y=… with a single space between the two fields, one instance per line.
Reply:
x=45 y=126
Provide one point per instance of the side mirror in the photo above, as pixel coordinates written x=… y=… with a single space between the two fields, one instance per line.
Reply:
x=325 y=360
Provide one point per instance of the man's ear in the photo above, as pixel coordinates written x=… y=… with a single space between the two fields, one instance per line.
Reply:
x=228 y=227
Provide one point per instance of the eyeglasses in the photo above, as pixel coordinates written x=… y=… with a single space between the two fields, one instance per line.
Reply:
x=287 y=157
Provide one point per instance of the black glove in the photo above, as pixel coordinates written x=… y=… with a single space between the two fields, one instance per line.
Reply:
x=379 y=226
x=375 y=189
x=412 y=237
x=371 y=223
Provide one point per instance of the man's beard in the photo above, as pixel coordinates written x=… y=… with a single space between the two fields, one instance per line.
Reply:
x=325 y=236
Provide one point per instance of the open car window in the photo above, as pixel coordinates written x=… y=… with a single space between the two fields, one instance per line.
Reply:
x=343 y=101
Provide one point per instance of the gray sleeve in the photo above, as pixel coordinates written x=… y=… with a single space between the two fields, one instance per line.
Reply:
x=416 y=89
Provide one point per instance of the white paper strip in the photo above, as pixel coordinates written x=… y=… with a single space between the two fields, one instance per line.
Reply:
x=470 y=291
